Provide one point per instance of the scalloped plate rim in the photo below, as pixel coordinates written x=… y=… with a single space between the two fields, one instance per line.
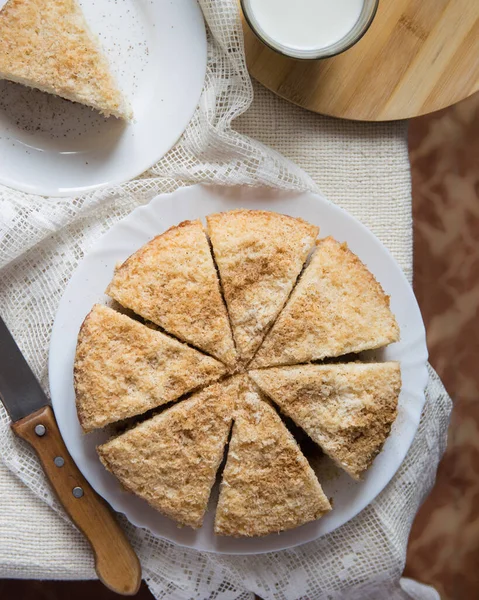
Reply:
x=148 y=220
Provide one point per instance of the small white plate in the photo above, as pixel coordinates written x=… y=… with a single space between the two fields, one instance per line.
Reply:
x=92 y=277
x=157 y=51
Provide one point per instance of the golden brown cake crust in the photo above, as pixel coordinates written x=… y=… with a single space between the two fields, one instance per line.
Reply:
x=171 y=460
x=172 y=281
x=46 y=44
x=347 y=409
x=337 y=307
x=123 y=368
x=268 y=484
x=259 y=256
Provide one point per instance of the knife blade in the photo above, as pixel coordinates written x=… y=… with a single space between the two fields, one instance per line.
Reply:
x=116 y=563
x=20 y=391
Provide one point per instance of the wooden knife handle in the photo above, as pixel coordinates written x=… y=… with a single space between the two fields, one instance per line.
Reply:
x=116 y=563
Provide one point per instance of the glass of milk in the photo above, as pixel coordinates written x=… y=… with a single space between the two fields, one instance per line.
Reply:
x=309 y=29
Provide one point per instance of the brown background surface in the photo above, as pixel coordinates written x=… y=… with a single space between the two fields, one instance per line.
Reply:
x=444 y=544
x=444 y=150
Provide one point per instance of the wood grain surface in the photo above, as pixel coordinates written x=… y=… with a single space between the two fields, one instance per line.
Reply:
x=116 y=563
x=418 y=56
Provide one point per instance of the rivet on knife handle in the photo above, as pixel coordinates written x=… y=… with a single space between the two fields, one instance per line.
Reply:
x=116 y=563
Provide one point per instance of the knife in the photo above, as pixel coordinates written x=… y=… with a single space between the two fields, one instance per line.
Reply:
x=116 y=563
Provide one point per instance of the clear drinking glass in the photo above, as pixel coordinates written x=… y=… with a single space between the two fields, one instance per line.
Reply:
x=366 y=17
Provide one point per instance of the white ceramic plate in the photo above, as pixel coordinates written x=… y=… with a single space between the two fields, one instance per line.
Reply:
x=157 y=50
x=94 y=273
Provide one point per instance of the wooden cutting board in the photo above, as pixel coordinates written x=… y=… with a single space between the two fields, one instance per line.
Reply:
x=417 y=57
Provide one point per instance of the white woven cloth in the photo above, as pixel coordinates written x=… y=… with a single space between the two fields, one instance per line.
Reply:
x=362 y=167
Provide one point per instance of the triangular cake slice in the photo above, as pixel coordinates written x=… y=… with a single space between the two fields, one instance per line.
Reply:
x=259 y=256
x=172 y=281
x=46 y=44
x=124 y=368
x=268 y=485
x=171 y=460
x=347 y=409
x=337 y=307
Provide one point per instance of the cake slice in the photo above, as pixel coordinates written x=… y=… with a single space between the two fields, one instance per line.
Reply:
x=171 y=460
x=347 y=409
x=268 y=485
x=259 y=256
x=46 y=44
x=124 y=368
x=172 y=282
x=337 y=307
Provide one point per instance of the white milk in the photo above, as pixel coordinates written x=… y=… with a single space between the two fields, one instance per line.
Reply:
x=306 y=24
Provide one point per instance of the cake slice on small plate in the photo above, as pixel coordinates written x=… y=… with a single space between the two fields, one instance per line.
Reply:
x=171 y=460
x=347 y=409
x=172 y=281
x=46 y=44
x=337 y=307
x=124 y=368
x=268 y=485
x=259 y=256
